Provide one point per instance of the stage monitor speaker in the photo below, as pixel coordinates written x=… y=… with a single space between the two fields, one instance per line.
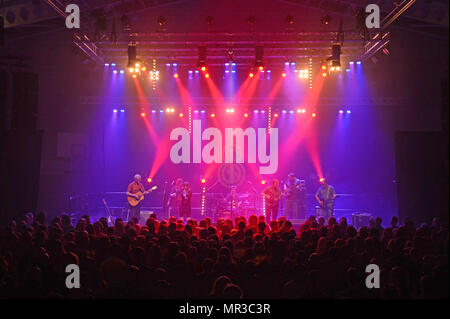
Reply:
x=361 y=220
x=144 y=216
x=422 y=175
x=25 y=101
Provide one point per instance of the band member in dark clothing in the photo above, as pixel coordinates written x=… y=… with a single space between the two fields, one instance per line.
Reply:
x=272 y=195
x=134 y=212
x=175 y=197
x=292 y=195
x=186 y=195
x=325 y=196
x=302 y=200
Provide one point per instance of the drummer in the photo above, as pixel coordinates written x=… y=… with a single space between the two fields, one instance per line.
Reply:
x=233 y=197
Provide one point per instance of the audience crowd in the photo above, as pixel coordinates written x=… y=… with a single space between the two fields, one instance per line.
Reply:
x=229 y=259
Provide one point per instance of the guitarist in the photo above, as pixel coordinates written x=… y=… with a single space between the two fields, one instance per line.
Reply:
x=325 y=196
x=273 y=196
x=134 y=212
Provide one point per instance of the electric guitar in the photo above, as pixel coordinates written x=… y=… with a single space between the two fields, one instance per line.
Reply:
x=133 y=201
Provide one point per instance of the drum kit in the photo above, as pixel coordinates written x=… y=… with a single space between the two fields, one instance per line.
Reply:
x=244 y=204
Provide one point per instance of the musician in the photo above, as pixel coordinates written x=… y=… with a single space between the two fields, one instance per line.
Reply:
x=273 y=196
x=292 y=196
x=185 y=207
x=302 y=200
x=325 y=196
x=134 y=212
x=175 y=197
x=233 y=197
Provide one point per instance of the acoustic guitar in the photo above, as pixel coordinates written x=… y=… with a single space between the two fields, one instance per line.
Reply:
x=133 y=201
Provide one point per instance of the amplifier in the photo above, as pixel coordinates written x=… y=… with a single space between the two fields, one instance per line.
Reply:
x=145 y=214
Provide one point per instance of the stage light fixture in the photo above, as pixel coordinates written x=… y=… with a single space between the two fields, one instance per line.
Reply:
x=207 y=75
x=149 y=180
x=115 y=111
x=132 y=55
x=324 y=74
x=202 y=58
x=263 y=182
x=181 y=115
x=326 y=20
x=314 y=115
x=348 y=111
x=259 y=57
x=162 y=21
x=251 y=75
x=122 y=111
x=115 y=71
x=143 y=114
x=213 y=115
x=203 y=181
x=106 y=64
x=284 y=111
x=358 y=62
x=134 y=76
x=275 y=115
x=283 y=75
x=289 y=20
x=122 y=71
x=113 y=64
x=245 y=115
x=341 y=111
x=175 y=75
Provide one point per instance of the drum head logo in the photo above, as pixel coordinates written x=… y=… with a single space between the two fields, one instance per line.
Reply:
x=231 y=174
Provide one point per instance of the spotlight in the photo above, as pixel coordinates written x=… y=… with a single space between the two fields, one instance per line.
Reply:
x=207 y=75
x=348 y=111
x=175 y=75
x=203 y=68
x=251 y=75
x=358 y=62
x=131 y=70
x=213 y=115
x=180 y=115
x=283 y=75
x=143 y=69
x=203 y=181
x=122 y=111
x=149 y=180
x=106 y=64
x=115 y=71
x=324 y=74
x=134 y=76
x=341 y=112
x=314 y=115
x=275 y=115
x=263 y=182
x=143 y=114
x=122 y=72
x=115 y=110
x=245 y=115
x=113 y=64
